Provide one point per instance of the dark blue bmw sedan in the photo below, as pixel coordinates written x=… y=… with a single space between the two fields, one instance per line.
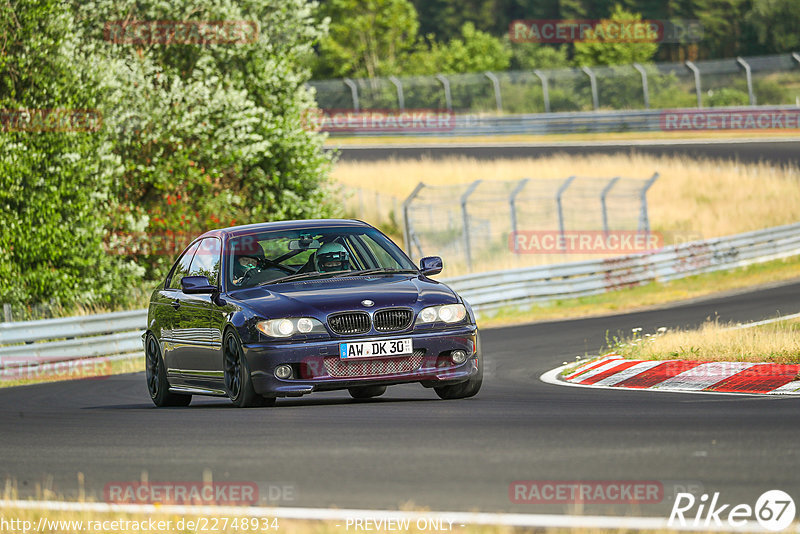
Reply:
x=288 y=308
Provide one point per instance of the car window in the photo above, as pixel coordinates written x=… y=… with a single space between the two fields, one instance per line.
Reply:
x=181 y=268
x=381 y=254
x=207 y=260
x=260 y=258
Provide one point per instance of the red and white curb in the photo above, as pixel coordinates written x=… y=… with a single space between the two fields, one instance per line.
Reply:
x=614 y=371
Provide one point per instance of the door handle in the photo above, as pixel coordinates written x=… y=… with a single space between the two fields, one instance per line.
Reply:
x=176 y=304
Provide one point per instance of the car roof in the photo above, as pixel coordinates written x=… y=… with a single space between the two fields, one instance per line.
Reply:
x=301 y=224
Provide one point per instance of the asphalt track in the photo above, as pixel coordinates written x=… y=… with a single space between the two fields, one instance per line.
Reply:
x=775 y=151
x=410 y=447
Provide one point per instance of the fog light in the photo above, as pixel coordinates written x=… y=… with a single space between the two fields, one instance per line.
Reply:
x=458 y=356
x=283 y=371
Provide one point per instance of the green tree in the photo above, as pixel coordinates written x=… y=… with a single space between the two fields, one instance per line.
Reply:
x=602 y=48
x=54 y=185
x=776 y=24
x=529 y=56
x=193 y=137
x=367 y=38
x=473 y=51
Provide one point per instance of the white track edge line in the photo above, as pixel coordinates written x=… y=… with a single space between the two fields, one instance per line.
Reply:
x=768 y=321
x=332 y=514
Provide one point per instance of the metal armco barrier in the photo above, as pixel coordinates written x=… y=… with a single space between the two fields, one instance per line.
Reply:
x=602 y=122
x=525 y=286
x=72 y=338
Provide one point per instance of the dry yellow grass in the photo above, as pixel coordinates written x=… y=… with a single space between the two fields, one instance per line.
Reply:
x=777 y=342
x=705 y=198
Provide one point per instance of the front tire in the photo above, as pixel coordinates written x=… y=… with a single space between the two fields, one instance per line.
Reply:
x=156 y=372
x=238 y=384
x=463 y=390
x=366 y=392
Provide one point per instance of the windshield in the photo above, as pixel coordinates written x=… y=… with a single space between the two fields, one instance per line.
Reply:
x=269 y=257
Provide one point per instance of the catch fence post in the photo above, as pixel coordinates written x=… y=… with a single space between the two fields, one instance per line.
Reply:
x=465 y=217
x=512 y=202
x=406 y=222
x=644 y=220
x=603 y=196
x=564 y=186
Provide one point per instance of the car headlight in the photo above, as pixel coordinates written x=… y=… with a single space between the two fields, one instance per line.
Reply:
x=449 y=313
x=290 y=325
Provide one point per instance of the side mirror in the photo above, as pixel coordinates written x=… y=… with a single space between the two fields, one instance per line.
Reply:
x=197 y=285
x=430 y=265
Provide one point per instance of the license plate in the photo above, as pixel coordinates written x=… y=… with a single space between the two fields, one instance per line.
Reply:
x=374 y=349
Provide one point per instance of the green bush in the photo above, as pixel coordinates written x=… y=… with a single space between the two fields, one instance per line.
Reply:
x=725 y=97
x=193 y=138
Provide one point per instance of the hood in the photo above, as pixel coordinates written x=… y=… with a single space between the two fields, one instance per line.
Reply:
x=318 y=298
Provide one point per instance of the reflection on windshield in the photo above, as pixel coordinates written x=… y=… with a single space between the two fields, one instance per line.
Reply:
x=273 y=257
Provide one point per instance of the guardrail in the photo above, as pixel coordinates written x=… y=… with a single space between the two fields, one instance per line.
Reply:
x=469 y=125
x=71 y=338
x=522 y=287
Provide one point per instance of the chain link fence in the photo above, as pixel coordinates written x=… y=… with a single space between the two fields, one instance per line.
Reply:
x=763 y=80
x=476 y=226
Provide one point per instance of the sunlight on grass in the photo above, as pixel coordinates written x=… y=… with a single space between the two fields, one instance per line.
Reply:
x=707 y=198
x=777 y=342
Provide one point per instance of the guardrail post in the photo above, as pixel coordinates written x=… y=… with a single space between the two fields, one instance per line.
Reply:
x=748 y=73
x=353 y=92
x=448 y=98
x=545 y=90
x=496 y=84
x=593 y=82
x=406 y=221
x=7 y=313
x=560 y=192
x=645 y=88
x=401 y=101
x=603 y=196
x=644 y=220
x=697 y=86
x=512 y=202
x=465 y=216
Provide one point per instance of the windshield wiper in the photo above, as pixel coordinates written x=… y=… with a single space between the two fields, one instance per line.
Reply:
x=387 y=270
x=289 y=278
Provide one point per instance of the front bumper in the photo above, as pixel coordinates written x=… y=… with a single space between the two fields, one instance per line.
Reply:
x=317 y=366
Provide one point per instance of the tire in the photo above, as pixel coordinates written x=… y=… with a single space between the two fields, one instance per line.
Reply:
x=157 y=384
x=463 y=390
x=238 y=384
x=366 y=392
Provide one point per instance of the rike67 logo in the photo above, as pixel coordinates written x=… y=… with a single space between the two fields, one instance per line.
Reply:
x=774 y=510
